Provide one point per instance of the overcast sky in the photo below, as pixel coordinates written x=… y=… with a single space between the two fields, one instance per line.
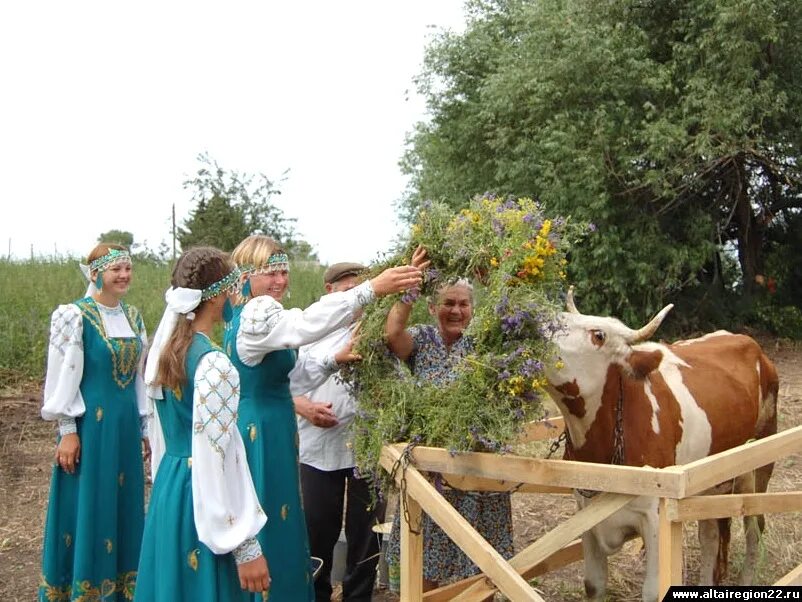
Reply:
x=104 y=107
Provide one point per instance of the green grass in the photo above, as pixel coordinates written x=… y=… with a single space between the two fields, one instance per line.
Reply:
x=31 y=290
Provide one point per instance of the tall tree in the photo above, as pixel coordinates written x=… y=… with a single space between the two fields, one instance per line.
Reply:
x=230 y=206
x=120 y=237
x=674 y=126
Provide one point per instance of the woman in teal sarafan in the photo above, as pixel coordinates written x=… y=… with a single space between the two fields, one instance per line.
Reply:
x=261 y=341
x=94 y=390
x=199 y=543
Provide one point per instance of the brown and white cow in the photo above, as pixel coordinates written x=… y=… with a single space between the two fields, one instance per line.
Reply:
x=679 y=403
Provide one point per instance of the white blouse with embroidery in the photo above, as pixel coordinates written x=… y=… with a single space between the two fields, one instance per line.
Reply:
x=227 y=511
x=266 y=326
x=65 y=364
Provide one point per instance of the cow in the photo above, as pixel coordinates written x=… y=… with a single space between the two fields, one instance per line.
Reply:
x=673 y=404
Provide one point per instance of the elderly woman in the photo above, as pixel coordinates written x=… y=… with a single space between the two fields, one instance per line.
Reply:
x=432 y=352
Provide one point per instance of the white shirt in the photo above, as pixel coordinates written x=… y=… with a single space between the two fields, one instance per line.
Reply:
x=314 y=375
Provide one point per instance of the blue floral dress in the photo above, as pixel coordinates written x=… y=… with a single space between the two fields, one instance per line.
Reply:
x=489 y=512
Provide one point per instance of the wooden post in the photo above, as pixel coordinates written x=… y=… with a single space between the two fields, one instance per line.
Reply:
x=670 y=546
x=411 y=550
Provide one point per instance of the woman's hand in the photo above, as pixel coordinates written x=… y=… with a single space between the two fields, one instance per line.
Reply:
x=254 y=576
x=419 y=258
x=395 y=280
x=68 y=452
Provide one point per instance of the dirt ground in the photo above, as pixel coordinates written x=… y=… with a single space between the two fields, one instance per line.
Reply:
x=26 y=448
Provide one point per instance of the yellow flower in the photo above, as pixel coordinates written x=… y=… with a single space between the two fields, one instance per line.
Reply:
x=559 y=365
x=494 y=262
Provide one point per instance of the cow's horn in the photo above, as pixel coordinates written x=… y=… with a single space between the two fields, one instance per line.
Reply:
x=645 y=333
x=569 y=301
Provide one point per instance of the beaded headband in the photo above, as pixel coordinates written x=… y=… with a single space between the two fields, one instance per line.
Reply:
x=113 y=256
x=277 y=262
x=226 y=283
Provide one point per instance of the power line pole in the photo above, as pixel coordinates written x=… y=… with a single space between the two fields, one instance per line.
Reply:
x=173 y=231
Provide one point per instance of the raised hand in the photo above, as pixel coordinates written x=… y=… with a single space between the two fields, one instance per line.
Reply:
x=395 y=280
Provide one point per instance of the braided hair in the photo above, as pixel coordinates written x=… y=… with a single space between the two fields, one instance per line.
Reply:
x=198 y=268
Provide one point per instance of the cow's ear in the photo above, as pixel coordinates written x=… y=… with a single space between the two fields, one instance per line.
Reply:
x=643 y=362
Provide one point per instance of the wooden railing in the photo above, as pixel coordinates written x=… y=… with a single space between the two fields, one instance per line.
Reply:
x=676 y=486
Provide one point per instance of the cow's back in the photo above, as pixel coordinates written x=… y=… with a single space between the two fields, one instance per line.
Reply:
x=734 y=383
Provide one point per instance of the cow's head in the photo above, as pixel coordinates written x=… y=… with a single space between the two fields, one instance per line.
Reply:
x=589 y=345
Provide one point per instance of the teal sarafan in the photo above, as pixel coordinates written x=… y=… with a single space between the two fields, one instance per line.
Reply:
x=95 y=516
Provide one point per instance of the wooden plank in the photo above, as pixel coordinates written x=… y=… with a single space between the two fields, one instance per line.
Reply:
x=792 y=578
x=411 y=580
x=669 y=543
x=600 y=508
x=543 y=429
x=665 y=482
x=568 y=555
x=458 y=481
x=703 y=507
x=715 y=469
x=491 y=563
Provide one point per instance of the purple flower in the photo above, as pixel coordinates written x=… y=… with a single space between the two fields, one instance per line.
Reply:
x=498 y=227
x=592 y=227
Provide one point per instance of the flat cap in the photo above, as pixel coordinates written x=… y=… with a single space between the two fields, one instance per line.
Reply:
x=339 y=270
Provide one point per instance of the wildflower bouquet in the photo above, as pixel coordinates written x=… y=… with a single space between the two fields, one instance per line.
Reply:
x=516 y=258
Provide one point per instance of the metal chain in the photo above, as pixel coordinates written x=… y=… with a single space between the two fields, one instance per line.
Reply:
x=618 y=438
x=403 y=461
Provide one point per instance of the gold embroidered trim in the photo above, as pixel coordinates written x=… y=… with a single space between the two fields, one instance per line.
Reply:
x=125 y=352
x=85 y=591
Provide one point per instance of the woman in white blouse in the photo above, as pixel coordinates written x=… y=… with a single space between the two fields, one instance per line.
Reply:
x=200 y=533
x=94 y=389
x=261 y=340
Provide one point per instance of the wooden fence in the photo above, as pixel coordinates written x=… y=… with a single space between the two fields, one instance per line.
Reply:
x=676 y=486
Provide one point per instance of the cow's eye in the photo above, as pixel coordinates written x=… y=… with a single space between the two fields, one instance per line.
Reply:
x=597 y=336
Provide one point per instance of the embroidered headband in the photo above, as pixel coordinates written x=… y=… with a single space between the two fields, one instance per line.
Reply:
x=113 y=256
x=277 y=262
x=226 y=283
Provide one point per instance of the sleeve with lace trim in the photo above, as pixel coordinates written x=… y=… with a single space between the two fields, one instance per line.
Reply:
x=65 y=366
x=227 y=511
x=266 y=326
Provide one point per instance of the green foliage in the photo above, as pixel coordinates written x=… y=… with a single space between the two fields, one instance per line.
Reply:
x=33 y=289
x=675 y=127
x=518 y=259
x=121 y=237
x=231 y=206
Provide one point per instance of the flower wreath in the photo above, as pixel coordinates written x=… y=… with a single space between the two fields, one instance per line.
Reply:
x=517 y=259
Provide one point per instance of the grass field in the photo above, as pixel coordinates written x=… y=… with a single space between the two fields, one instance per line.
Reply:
x=31 y=290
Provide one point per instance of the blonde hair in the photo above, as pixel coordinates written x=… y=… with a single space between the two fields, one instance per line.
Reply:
x=253 y=253
x=255 y=250
x=197 y=268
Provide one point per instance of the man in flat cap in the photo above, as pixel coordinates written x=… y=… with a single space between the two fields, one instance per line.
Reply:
x=327 y=463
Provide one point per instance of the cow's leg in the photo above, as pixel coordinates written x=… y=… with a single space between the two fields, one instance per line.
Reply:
x=595 y=567
x=708 y=550
x=649 y=532
x=746 y=484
